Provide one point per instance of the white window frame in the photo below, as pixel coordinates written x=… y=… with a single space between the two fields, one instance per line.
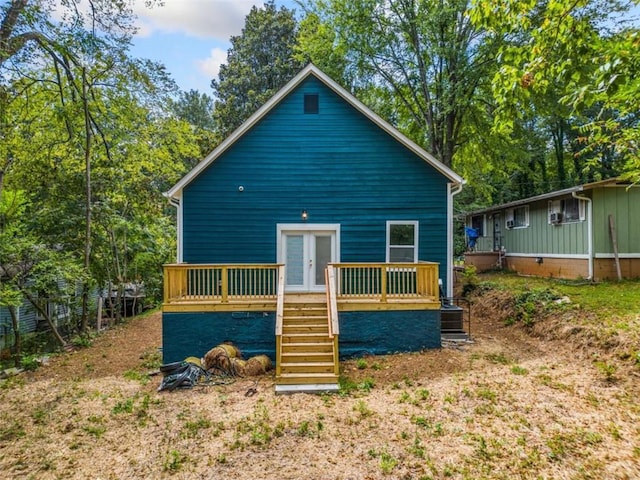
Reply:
x=581 y=210
x=510 y=216
x=416 y=235
x=558 y=206
x=554 y=207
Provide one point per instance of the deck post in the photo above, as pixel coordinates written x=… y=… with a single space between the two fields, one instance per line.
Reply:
x=383 y=284
x=167 y=283
x=224 y=284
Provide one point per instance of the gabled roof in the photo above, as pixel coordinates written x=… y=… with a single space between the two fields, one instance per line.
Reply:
x=550 y=195
x=309 y=70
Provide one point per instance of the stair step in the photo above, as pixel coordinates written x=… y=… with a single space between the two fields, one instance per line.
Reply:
x=304 y=309
x=307 y=347
x=287 y=329
x=306 y=378
x=308 y=388
x=306 y=356
x=307 y=367
x=306 y=353
x=304 y=306
x=305 y=318
x=303 y=314
x=306 y=338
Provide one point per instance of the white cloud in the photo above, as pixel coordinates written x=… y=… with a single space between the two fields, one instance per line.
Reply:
x=214 y=19
x=210 y=66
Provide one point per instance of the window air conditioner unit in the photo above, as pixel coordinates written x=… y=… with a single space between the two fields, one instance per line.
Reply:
x=555 y=217
x=511 y=224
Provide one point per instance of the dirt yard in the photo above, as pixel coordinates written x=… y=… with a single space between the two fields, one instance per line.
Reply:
x=506 y=406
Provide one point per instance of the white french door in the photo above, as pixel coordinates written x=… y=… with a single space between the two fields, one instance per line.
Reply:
x=305 y=251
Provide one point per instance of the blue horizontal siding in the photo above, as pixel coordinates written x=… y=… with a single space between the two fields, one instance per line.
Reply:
x=26 y=318
x=337 y=164
x=27 y=323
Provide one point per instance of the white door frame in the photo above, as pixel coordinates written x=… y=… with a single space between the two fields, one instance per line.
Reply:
x=306 y=228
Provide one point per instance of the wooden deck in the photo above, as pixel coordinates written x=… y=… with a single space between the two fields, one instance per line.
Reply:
x=359 y=287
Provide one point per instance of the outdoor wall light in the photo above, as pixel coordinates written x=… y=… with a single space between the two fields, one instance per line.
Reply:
x=304 y=215
x=539 y=260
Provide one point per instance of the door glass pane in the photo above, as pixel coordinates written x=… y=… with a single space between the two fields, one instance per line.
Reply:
x=323 y=256
x=295 y=260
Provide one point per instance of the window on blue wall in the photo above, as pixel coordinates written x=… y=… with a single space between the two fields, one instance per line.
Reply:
x=402 y=241
x=311 y=103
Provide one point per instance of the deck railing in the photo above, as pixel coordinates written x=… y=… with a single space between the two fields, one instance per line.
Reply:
x=386 y=281
x=220 y=283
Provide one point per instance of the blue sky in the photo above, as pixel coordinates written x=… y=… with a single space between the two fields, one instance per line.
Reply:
x=191 y=37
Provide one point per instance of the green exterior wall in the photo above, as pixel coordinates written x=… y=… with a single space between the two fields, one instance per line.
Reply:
x=540 y=237
x=624 y=204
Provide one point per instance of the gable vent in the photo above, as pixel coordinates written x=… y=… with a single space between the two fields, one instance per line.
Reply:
x=311 y=103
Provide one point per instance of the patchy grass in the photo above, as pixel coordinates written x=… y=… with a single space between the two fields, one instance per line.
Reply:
x=605 y=301
x=517 y=403
x=604 y=316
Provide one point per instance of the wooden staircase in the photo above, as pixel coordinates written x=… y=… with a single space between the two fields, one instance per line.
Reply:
x=307 y=355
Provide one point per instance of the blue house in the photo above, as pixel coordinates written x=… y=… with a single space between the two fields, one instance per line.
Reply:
x=316 y=231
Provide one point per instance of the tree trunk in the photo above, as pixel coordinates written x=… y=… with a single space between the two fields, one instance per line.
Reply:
x=8 y=160
x=84 y=325
x=46 y=316
x=557 y=132
x=17 y=342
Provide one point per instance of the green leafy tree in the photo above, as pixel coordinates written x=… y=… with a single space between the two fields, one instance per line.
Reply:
x=73 y=43
x=196 y=109
x=580 y=55
x=31 y=270
x=139 y=152
x=260 y=62
x=64 y=35
x=426 y=56
x=317 y=43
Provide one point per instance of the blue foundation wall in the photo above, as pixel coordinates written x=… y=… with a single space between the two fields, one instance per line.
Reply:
x=361 y=333
x=379 y=333
x=194 y=334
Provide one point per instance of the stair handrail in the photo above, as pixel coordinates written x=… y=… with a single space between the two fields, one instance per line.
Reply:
x=279 y=318
x=332 y=303
x=280 y=300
